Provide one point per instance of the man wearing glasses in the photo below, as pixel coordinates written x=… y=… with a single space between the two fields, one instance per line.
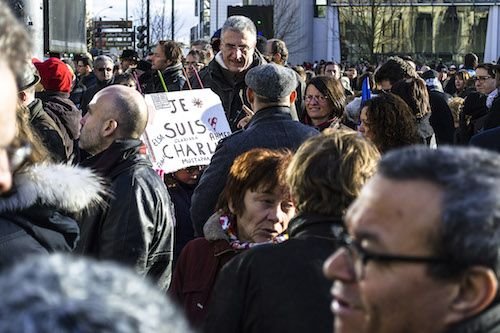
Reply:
x=103 y=70
x=486 y=83
x=225 y=74
x=421 y=249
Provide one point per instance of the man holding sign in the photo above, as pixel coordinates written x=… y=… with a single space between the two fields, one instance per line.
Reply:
x=271 y=92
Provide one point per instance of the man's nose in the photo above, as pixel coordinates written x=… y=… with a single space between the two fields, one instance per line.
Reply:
x=339 y=267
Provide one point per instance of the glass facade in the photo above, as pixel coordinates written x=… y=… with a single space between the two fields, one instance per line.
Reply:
x=424 y=31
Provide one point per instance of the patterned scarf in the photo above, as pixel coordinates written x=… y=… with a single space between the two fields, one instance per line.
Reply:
x=229 y=227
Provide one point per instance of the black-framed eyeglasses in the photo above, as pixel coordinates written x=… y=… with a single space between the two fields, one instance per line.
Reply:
x=360 y=256
x=482 y=78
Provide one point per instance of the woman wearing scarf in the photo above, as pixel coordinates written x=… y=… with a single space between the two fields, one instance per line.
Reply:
x=253 y=209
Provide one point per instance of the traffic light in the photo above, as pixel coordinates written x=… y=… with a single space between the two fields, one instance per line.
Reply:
x=141 y=36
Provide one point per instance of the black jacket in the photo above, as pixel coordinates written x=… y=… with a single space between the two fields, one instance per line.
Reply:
x=441 y=119
x=493 y=118
x=83 y=84
x=136 y=227
x=230 y=87
x=47 y=130
x=271 y=128
x=278 y=288
x=36 y=217
x=67 y=117
x=173 y=77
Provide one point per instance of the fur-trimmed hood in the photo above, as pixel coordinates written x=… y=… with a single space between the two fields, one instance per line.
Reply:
x=68 y=189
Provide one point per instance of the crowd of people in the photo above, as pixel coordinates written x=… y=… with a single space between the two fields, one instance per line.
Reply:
x=340 y=203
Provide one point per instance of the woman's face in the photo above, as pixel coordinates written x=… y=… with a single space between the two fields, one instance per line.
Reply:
x=459 y=83
x=318 y=107
x=363 y=127
x=266 y=215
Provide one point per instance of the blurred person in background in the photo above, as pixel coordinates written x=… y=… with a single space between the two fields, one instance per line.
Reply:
x=388 y=122
x=64 y=294
x=166 y=68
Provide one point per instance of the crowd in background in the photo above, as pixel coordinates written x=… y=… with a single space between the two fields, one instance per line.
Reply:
x=364 y=175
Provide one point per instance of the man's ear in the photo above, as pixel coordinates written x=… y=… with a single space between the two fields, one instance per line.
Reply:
x=477 y=290
x=293 y=97
x=250 y=95
x=22 y=96
x=109 y=127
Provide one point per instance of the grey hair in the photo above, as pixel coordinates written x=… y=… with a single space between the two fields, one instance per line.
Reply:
x=469 y=233
x=15 y=44
x=102 y=59
x=64 y=294
x=240 y=24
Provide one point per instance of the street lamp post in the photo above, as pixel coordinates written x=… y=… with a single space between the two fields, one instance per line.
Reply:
x=100 y=25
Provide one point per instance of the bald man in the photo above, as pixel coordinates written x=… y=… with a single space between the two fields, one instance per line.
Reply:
x=135 y=227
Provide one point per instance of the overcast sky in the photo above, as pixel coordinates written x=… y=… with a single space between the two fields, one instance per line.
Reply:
x=183 y=8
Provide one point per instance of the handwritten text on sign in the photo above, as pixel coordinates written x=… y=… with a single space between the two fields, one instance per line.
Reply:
x=184 y=128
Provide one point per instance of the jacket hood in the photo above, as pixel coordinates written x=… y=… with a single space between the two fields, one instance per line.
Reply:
x=68 y=189
x=213 y=230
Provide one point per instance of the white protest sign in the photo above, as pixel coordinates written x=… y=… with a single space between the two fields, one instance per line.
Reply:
x=184 y=128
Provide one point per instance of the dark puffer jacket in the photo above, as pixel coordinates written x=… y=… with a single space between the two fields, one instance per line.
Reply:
x=37 y=216
x=136 y=226
x=173 y=77
x=278 y=288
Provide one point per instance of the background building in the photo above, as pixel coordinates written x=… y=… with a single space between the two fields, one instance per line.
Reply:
x=358 y=30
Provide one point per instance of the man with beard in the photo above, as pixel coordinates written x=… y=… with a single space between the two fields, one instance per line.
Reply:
x=167 y=68
x=135 y=227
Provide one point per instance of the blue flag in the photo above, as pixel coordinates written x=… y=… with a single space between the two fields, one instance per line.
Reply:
x=366 y=93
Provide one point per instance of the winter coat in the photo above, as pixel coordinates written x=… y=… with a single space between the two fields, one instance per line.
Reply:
x=173 y=77
x=271 y=128
x=136 y=226
x=279 y=288
x=36 y=217
x=83 y=84
x=197 y=269
x=441 y=118
x=181 y=198
x=47 y=129
x=230 y=87
x=493 y=118
x=67 y=117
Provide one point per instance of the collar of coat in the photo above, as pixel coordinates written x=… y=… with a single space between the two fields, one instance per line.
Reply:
x=66 y=188
x=487 y=321
x=308 y=224
x=213 y=230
